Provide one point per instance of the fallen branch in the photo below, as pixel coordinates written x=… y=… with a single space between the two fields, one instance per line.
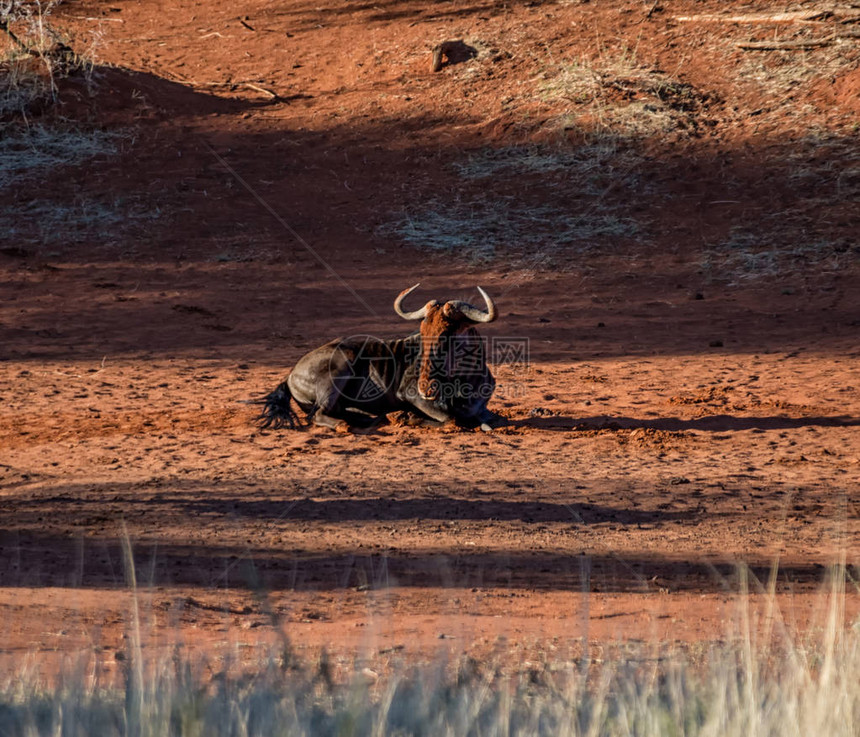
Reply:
x=100 y=19
x=652 y=10
x=811 y=43
x=181 y=79
x=57 y=54
x=233 y=86
x=257 y=88
x=798 y=16
x=4 y=26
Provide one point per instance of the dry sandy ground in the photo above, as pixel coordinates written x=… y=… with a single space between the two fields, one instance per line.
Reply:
x=678 y=415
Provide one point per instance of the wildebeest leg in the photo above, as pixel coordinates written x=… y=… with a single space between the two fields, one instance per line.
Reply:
x=427 y=414
x=413 y=419
x=407 y=418
x=334 y=423
x=347 y=421
x=431 y=410
x=332 y=413
x=328 y=413
x=363 y=420
x=490 y=420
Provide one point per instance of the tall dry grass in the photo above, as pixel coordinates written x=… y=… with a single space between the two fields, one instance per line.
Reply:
x=762 y=681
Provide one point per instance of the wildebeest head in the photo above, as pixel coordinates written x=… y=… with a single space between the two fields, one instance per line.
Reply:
x=443 y=324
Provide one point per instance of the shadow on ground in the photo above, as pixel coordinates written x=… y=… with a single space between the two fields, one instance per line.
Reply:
x=31 y=560
x=72 y=538
x=182 y=282
x=710 y=423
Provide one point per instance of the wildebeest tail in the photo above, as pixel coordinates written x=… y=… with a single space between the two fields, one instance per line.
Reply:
x=277 y=409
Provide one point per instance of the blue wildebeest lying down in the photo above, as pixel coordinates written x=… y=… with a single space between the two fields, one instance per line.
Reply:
x=435 y=375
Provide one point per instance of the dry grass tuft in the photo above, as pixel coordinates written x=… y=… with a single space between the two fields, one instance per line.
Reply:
x=485 y=228
x=762 y=679
x=34 y=57
x=563 y=212
x=616 y=95
x=33 y=151
x=30 y=153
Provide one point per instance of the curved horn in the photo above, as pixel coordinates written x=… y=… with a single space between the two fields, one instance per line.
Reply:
x=417 y=314
x=473 y=313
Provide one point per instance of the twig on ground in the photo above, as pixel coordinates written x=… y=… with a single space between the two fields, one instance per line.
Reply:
x=798 y=16
x=96 y=18
x=811 y=43
x=256 y=87
x=231 y=85
x=4 y=26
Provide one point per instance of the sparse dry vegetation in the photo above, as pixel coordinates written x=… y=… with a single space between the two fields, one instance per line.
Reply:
x=668 y=214
x=590 y=193
x=34 y=56
x=618 y=97
x=28 y=152
x=534 y=227
x=486 y=228
x=773 y=253
x=761 y=679
x=35 y=146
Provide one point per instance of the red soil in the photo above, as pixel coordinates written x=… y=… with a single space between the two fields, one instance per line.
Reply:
x=672 y=421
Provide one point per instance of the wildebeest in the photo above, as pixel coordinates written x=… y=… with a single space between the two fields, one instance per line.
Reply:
x=435 y=375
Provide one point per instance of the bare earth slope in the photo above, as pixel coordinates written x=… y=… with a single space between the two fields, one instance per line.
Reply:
x=668 y=219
